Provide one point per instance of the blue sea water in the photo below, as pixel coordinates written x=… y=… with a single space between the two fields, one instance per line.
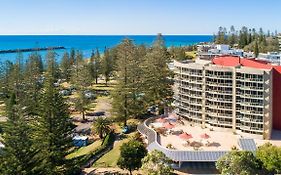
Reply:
x=86 y=43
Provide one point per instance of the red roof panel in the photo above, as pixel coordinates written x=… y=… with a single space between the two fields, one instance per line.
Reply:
x=236 y=61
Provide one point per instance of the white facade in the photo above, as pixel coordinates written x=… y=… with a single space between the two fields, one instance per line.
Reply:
x=273 y=57
x=222 y=47
x=212 y=50
x=228 y=98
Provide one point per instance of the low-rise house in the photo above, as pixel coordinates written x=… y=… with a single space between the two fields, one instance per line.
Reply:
x=208 y=52
x=273 y=57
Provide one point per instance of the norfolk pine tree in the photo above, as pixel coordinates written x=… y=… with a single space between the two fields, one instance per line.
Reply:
x=19 y=154
x=65 y=66
x=126 y=92
x=157 y=83
x=106 y=66
x=54 y=126
x=95 y=65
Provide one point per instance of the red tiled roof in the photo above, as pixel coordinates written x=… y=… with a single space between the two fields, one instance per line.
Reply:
x=247 y=62
x=278 y=69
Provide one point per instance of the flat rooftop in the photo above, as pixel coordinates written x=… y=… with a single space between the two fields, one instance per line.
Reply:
x=234 y=61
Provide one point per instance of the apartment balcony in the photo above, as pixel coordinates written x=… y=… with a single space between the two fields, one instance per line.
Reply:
x=250 y=96
x=192 y=88
x=191 y=74
x=222 y=123
x=215 y=99
x=190 y=115
x=195 y=74
x=256 y=129
x=197 y=111
x=208 y=83
x=252 y=88
x=195 y=117
x=195 y=95
x=218 y=76
x=191 y=96
x=242 y=127
x=249 y=79
x=248 y=120
x=253 y=129
x=245 y=103
x=219 y=107
x=198 y=103
x=196 y=81
x=218 y=92
x=219 y=115
x=250 y=112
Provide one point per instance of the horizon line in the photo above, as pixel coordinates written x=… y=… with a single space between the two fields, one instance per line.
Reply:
x=165 y=34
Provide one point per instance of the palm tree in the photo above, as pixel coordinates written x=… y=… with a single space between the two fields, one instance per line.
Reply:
x=101 y=126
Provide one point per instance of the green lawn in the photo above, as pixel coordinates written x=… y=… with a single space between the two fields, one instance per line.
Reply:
x=84 y=150
x=103 y=87
x=110 y=159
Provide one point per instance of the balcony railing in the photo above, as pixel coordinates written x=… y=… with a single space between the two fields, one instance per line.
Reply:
x=219 y=115
x=249 y=79
x=248 y=128
x=219 y=99
x=249 y=95
x=251 y=112
x=219 y=122
x=219 y=92
x=250 y=87
x=221 y=107
x=219 y=76
x=249 y=103
x=209 y=83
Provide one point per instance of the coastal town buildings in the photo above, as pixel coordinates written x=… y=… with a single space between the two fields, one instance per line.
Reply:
x=209 y=51
x=272 y=57
x=231 y=93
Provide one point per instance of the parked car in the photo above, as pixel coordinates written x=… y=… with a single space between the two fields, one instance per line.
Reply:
x=89 y=94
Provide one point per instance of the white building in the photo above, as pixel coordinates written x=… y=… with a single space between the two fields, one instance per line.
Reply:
x=273 y=57
x=229 y=93
x=210 y=51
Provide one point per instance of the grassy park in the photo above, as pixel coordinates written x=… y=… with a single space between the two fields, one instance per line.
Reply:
x=85 y=150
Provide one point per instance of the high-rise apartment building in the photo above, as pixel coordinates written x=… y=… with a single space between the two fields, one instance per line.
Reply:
x=230 y=93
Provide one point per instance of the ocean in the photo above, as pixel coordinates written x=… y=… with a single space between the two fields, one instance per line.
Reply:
x=86 y=43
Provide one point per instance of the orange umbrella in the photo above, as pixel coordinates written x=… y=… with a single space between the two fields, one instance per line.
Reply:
x=185 y=136
x=169 y=125
x=204 y=136
x=161 y=120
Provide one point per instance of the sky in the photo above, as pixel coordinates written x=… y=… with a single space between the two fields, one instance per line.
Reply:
x=117 y=17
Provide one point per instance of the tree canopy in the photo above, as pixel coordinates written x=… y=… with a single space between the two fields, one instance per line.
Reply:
x=131 y=155
x=238 y=163
x=156 y=163
x=270 y=156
